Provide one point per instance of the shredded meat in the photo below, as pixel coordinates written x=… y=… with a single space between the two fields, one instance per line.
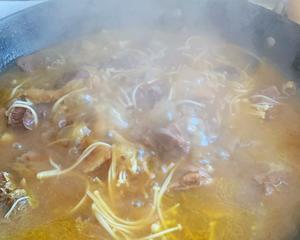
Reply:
x=14 y=202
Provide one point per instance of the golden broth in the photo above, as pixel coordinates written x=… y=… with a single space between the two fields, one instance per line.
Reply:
x=212 y=91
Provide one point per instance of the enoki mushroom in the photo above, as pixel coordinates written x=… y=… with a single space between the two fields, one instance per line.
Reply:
x=120 y=228
x=82 y=157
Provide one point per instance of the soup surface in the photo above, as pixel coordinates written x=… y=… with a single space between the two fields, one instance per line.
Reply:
x=125 y=135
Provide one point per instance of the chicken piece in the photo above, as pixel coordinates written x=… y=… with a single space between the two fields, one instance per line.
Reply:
x=14 y=202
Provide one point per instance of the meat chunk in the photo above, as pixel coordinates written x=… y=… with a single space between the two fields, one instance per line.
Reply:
x=172 y=138
x=149 y=94
x=16 y=117
x=22 y=114
x=168 y=140
x=13 y=201
x=193 y=179
x=194 y=176
x=272 y=182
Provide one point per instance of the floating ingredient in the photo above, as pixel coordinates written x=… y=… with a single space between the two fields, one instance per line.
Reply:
x=14 y=202
x=21 y=113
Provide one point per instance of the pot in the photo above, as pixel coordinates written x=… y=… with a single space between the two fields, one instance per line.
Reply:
x=260 y=31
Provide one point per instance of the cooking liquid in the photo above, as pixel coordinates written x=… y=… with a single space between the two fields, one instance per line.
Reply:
x=238 y=143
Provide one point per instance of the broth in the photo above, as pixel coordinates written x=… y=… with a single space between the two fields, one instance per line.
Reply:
x=124 y=135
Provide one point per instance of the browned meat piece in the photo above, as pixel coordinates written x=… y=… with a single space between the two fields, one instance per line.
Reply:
x=193 y=174
x=31 y=63
x=169 y=140
x=22 y=114
x=172 y=138
x=193 y=179
x=272 y=181
x=13 y=201
x=149 y=94
x=16 y=118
